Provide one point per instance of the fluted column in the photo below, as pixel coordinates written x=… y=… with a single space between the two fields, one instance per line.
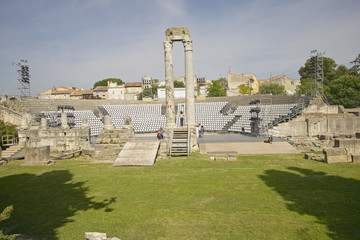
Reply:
x=189 y=79
x=169 y=84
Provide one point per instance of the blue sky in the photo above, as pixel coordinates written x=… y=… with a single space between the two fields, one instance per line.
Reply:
x=78 y=42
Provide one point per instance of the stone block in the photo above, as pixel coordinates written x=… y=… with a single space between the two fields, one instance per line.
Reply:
x=308 y=155
x=221 y=159
x=36 y=156
x=212 y=158
x=356 y=159
x=106 y=153
x=95 y=236
x=352 y=145
x=336 y=155
x=231 y=159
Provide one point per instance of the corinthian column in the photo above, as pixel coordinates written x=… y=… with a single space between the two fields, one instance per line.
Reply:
x=169 y=84
x=189 y=79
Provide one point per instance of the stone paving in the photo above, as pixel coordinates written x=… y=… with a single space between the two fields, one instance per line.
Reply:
x=213 y=143
x=138 y=153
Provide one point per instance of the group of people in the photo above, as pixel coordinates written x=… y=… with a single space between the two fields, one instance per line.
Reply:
x=200 y=131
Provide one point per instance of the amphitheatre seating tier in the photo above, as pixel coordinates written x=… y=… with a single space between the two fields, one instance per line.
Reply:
x=94 y=122
x=150 y=117
x=39 y=105
x=144 y=117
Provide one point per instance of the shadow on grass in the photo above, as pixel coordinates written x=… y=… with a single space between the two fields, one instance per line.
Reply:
x=43 y=203
x=333 y=200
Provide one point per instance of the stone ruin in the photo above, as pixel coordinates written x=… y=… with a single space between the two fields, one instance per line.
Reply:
x=111 y=140
x=98 y=236
x=324 y=127
x=41 y=141
x=61 y=139
x=173 y=35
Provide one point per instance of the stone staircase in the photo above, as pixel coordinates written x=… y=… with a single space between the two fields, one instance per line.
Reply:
x=180 y=142
x=301 y=104
x=226 y=128
x=13 y=152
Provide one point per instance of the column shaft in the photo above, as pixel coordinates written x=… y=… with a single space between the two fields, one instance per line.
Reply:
x=169 y=84
x=189 y=79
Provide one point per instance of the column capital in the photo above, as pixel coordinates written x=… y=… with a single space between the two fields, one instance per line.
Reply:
x=188 y=45
x=168 y=46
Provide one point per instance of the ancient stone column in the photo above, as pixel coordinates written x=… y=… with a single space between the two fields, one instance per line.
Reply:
x=44 y=124
x=64 y=123
x=108 y=125
x=189 y=79
x=169 y=84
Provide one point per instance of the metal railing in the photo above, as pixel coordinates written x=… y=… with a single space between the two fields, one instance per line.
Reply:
x=9 y=140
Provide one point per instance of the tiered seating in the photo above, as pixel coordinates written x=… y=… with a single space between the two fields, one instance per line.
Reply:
x=244 y=120
x=94 y=122
x=268 y=113
x=208 y=114
x=145 y=118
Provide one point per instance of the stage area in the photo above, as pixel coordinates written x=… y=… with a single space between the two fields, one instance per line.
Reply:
x=213 y=143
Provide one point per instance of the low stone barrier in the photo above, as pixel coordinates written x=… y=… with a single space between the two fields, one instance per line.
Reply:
x=337 y=155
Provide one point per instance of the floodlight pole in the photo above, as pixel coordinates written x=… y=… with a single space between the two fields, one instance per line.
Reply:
x=24 y=78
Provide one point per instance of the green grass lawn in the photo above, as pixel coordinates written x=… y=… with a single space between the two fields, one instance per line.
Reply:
x=256 y=197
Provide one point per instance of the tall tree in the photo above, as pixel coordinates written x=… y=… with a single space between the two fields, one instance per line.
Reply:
x=216 y=89
x=355 y=69
x=341 y=85
x=178 y=84
x=224 y=83
x=272 y=88
x=307 y=74
x=345 y=91
x=104 y=82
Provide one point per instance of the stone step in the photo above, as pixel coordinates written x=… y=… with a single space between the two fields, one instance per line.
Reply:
x=12 y=151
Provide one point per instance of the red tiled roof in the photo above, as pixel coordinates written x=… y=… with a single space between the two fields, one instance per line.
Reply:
x=101 y=88
x=133 y=84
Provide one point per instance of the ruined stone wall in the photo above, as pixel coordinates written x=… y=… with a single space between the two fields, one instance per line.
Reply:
x=59 y=139
x=319 y=125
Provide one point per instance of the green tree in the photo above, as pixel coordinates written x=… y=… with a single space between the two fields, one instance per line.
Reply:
x=7 y=129
x=355 y=69
x=272 y=88
x=178 y=84
x=345 y=91
x=245 y=89
x=3 y=216
x=307 y=76
x=147 y=93
x=216 y=89
x=104 y=82
x=224 y=83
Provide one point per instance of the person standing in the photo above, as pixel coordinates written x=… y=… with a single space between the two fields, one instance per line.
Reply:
x=181 y=119
x=202 y=130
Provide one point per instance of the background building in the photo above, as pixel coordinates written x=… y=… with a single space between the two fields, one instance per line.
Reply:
x=116 y=91
x=234 y=80
x=132 y=90
x=289 y=83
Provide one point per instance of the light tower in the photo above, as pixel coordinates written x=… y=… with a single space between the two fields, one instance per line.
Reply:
x=24 y=78
x=317 y=65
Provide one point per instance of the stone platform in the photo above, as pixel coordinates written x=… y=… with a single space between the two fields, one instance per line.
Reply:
x=247 y=148
x=138 y=153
